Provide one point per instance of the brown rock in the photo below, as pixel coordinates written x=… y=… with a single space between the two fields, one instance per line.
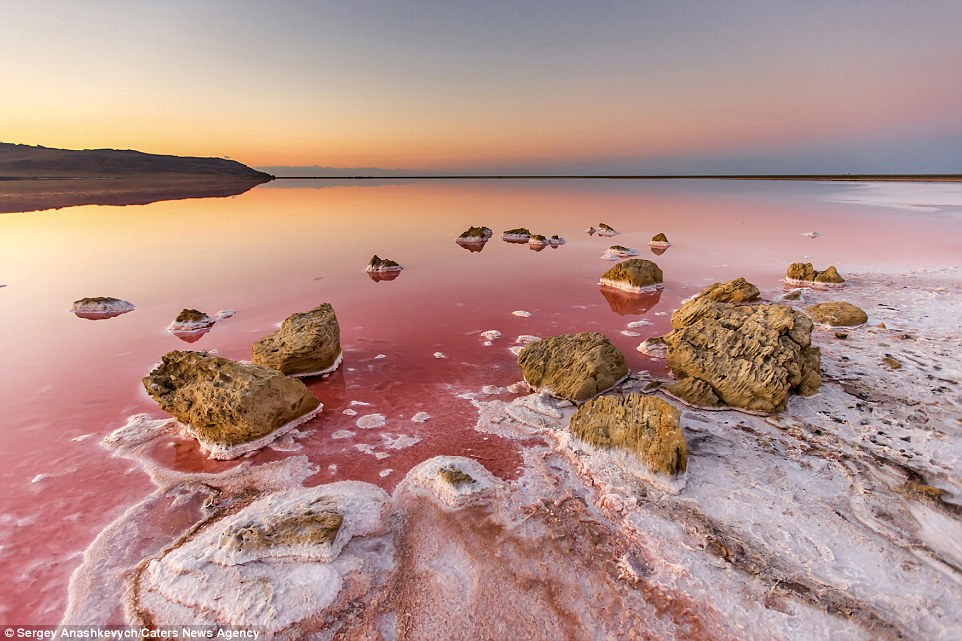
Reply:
x=633 y=275
x=226 y=404
x=659 y=238
x=307 y=343
x=738 y=290
x=804 y=272
x=313 y=526
x=644 y=425
x=830 y=275
x=454 y=477
x=752 y=356
x=694 y=391
x=838 y=314
x=892 y=363
x=573 y=366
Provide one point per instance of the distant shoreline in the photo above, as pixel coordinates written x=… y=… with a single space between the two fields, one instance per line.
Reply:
x=800 y=177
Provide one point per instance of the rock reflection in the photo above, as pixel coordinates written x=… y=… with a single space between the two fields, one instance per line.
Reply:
x=629 y=304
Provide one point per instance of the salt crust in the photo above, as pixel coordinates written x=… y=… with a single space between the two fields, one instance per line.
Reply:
x=425 y=478
x=383 y=270
x=491 y=334
x=112 y=307
x=659 y=244
x=617 y=284
x=421 y=417
x=337 y=363
x=794 y=282
x=221 y=452
x=371 y=421
x=521 y=313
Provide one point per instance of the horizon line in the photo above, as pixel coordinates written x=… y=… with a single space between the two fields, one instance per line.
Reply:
x=799 y=177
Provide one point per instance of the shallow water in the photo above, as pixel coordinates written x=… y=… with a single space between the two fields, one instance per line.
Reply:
x=65 y=382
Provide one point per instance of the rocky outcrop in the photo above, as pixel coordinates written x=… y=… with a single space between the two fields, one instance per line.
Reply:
x=693 y=391
x=805 y=274
x=575 y=367
x=99 y=307
x=838 y=314
x=607 y=230
x=634 y=275
x=537 y=240
x=556 y=240
x=189 y=320
x=752 y=356
x=231 y=408
x=382 y=265
x=659 y=240
x=516 y=235
x=646 y=426
x=306 y=344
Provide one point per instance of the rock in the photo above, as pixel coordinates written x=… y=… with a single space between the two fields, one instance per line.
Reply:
x=693 y=391
x=805 y=274
x=556 y=241
x=646 y=426
x=659 y=240
x=99 y=307
x=619 y=251
x=738 y=290
x=573 y=366
x=633 y=275
x=231 y=408
x=892 y=363
x=306 y=344
x=794 y=294
x=475 y=235
x=607 y=230
x=516 y=235
x=537 y=240
x=189 y=320
x=454 y=477
x=751 y=356
x=309 y=526
x=381 y=265
x=837 y=314
x=591 y=231
x=654 y=347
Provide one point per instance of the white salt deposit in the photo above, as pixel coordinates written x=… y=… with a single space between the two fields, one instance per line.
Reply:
x=359 y=404
x=371 y=421
x=439 y=355
x=811 y=234
x=491 y=334
x=659 y=244
x=516 y=349
x=385 y=473
x=639 y=323
x=421 y=417
x=380 y=356
x=521 y=313
x=339 y=434
x=526 y=339
x=399 y=441
x=349 y=412
x=628 y=287
x=628 y=332
x=615 y=252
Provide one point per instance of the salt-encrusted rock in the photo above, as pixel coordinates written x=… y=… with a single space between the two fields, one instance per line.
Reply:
x=619 y=251
x=475 y=235
x=633 y=275
x=306 y=344
x=382 y=265
x=693 y=391
x=556 y=240
x=99 y=307
x=454 y=481
x=659 y=240
x=646 y=426
x=516 y=235
x=286 y=558
x=805 y=274
x=591 y=231
x=654 y=347
x=573 y=366
x=537 y=240
x=231 y=408
x=838 y=314
x=189 y=320
x=607 y=230
x=736 y=291
x=752 y=356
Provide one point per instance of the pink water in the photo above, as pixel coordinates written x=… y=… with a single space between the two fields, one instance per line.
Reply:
x=280 y=249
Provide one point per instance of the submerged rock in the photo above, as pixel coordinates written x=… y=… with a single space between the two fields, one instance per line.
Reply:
x=633 y=275
x=805 y=274
x=838 y=314
x=752 y=356
x=382 y=265
x=607 y=230
x=660 y=241
x=100 y=307
x=516 y=235
x=231 y=408
x=306 y=344
x=573 y=366
x=646 y=426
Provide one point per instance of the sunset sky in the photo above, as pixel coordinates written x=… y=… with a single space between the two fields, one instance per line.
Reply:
x=535 y=87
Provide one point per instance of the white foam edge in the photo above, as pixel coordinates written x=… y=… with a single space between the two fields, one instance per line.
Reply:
x=337 y=363
x=811 y=283
x=220 y=452
x=626 y=287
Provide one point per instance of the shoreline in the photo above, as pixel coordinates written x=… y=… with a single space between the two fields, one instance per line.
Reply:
x=836 y=516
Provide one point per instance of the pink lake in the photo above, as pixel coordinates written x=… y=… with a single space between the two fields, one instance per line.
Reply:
x=66 y=382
